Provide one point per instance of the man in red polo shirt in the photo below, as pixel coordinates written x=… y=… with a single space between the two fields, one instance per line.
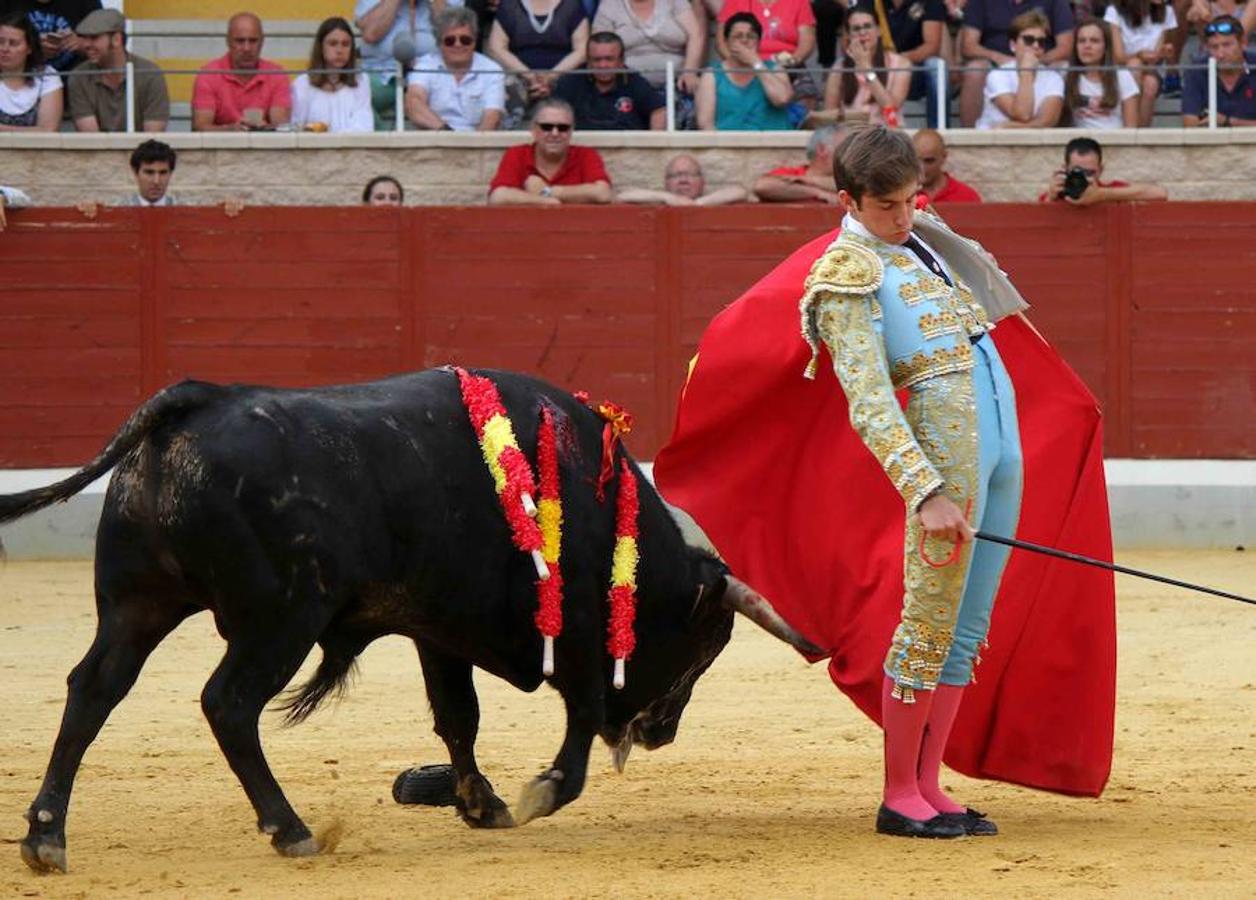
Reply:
x=939 y=185
x=1084 y=157
x=246 y=100
x=550 y=171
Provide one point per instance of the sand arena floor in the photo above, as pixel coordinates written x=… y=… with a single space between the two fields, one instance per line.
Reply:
x=769 y=790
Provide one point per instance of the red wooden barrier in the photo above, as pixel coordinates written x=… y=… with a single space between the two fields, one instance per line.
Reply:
x=1154 y=305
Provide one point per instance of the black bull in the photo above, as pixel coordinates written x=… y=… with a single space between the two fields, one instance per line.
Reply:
x=338 y=515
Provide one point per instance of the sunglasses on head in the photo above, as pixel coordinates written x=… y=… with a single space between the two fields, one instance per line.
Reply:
x=462 y=40
x=1220 y=28
x=1033 y=40
x=560 y=127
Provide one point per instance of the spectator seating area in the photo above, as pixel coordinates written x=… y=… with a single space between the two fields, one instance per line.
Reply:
x=180 y=36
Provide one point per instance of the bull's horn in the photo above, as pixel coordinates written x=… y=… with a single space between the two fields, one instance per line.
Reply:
x=741 y=597
x=619 y=753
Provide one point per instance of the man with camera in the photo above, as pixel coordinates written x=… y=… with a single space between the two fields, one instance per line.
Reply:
x=1081 y=182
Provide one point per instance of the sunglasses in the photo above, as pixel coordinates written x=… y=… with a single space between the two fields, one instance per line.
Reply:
x=1032 y=40
x=560 y=127
x=461 y=40
x=1221 y=28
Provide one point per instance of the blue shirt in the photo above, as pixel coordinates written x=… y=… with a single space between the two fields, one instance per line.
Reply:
x=746 y=108
x=1240 y=102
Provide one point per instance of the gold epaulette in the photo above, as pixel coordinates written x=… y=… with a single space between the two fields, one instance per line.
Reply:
x=845 y=268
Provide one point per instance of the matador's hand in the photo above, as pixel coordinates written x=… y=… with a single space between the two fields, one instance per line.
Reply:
x=942 y=519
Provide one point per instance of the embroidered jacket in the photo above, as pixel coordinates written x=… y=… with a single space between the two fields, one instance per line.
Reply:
x=889 y=324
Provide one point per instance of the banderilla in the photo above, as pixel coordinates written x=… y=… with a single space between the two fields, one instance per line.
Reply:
x=1111 y=567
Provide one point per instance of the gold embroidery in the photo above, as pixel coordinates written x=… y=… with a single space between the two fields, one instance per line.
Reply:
x=942 y=413
x=845 y=326
x=925 y=365
x=934 y=325
x=843 y=270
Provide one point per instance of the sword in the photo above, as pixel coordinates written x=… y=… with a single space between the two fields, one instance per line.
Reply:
x=1111 y=567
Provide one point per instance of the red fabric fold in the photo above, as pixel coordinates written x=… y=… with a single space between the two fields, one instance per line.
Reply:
x=767 y=463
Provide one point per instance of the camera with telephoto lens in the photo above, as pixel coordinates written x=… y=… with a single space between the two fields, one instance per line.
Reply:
x=1075 y=183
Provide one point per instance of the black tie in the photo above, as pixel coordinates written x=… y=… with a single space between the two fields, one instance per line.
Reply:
x=926 y=257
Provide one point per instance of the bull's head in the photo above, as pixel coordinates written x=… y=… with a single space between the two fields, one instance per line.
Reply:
x=669 y=661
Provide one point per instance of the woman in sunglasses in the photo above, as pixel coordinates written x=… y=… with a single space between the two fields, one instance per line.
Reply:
x=1024 y=93
x=333 y=95
x=456 y=89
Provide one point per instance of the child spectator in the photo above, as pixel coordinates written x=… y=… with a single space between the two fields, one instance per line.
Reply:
x=332 y=96
x=1096 y=94
x=31 y=96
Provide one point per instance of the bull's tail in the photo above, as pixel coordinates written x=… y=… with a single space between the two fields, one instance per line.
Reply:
x=331 y=679
x=179 y=398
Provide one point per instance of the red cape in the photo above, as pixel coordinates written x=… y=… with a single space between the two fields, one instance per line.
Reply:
x=768 y=465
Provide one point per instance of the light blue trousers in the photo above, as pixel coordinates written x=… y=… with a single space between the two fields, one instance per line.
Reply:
x=996 y=508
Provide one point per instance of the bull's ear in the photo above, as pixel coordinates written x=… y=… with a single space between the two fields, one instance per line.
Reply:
x=742 y=598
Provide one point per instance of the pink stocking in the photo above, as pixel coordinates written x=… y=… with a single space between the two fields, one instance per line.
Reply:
x=937 y=729
x=904 y=725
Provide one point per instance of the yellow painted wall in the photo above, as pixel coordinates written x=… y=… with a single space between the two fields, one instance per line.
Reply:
x=223 y=9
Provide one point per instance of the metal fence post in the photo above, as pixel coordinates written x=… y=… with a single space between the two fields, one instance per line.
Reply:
x=1212 y=92
x=129 y=95
x=669 y=95
x=399 y=98
x=942 y=91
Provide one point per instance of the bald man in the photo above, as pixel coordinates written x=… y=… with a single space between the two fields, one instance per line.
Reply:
x=240 y=91
x=935 y=182
x=684 y=185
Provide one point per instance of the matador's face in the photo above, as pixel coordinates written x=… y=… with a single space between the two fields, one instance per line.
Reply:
x=888 y=216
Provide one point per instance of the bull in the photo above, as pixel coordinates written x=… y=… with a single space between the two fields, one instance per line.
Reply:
x=338 y=515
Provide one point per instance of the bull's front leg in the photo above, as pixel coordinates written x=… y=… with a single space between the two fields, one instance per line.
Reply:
x=563 y=782
x=456 y=711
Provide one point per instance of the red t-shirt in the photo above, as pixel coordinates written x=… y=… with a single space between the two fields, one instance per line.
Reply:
x=789 y=171
x=583 y=165
x=780 y=22
x=1116 y=182
x=229 y=97
x=955 y=191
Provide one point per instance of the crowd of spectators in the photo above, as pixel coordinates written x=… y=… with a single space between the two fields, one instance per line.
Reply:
x=748 y=65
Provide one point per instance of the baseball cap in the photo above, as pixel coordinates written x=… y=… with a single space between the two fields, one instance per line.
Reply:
x=101 y=21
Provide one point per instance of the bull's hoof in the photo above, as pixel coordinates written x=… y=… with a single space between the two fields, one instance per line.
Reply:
x=43 y=855
x=306 y=847
x=539 y=798
x=434 y=785
x=479 y=807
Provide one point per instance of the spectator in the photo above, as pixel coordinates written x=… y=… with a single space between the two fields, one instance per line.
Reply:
x=1096 y=94
x=456 y=89
x=31 y=98
x=152 y=164
x=1236 y=85
x=12 y=198
x=550 y=171
x=1081 y=182
x=1139 y=40
x=986 y=41
x=1200 y=12
x=683 y=185
x=537 y=40
x=254 y=97
x=55 y=21
x=331 y=96
x=916 y=28
x=609 y=99
x=383 y=190
x=937 y=184
x=394 y=30
x=656 y=32
x=751 y=95
x=830 y=18
x=787 y=35
x=809 y=183
x=98 y=99
x=868 y=85
x=1024 y=93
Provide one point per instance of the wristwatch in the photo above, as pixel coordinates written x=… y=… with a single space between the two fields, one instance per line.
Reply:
x=547 y=191
x=870 y=77
x=759 y=66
